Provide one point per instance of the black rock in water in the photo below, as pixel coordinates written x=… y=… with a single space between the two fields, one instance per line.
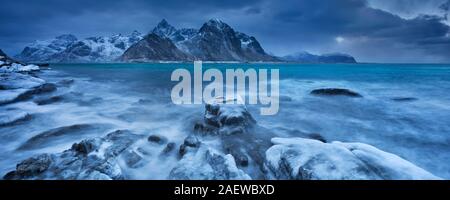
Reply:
x=157 y=139
x=169 y=148
x=46 y=101
x=335 y=92
x=191 y=141
x=404 y=99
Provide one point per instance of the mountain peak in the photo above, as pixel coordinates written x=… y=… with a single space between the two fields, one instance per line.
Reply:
x=135 y=34
x=164 y=29
x=215 y=25
x=163 y=22
x=216 y=20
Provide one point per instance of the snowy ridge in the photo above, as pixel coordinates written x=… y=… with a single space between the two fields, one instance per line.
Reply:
x=67 y=48
x=214 y=41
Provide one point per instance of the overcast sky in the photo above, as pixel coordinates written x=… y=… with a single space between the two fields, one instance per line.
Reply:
x=370 y=30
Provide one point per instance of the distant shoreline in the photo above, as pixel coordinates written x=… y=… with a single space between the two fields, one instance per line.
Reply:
x=232 y=62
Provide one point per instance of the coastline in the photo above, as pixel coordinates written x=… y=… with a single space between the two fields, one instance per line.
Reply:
x=183 y=169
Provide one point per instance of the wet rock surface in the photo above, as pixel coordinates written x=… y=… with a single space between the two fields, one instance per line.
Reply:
x=207 y=164
x=49 y=100
x=158 y=139
x=225 y=117
x=227 y=143
x=91 y=159
x=169 y=148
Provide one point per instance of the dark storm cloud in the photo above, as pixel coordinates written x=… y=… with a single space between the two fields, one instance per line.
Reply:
x=370 y=34
x=370 y=30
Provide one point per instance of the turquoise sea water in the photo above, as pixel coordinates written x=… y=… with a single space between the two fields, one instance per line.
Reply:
x=137 y=97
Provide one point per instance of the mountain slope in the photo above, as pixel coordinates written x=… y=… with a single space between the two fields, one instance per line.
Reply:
x=67 y=48
x=44 y=50
x=154 y=48
x=214 y=41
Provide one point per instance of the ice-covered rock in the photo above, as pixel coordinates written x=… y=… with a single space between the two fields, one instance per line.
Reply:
x=224 y=118
x=8 y=64
x=306 y=159
x=95 y=158
x=16 y=67
x=387 y=165
x=207 y=164
x=16 y=86
x=17 y=80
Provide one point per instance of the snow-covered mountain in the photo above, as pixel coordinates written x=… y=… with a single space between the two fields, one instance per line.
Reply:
x=67 y=48
x=305 y=57
x=214 y=41
x=44 y=50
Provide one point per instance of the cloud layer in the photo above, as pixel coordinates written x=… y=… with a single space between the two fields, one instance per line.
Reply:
x=372 y=31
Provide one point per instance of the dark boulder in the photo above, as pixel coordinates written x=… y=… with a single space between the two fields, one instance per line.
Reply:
x=404 y=99
x=46 y=101
x=44 y=88
x=86 y=146
x=191 y=141
x=31 y=167
x=335 y=92
x=169 y=148
x=157 y=139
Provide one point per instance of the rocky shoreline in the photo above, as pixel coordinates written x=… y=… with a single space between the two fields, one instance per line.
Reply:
x=227 y=143
x=242 y=145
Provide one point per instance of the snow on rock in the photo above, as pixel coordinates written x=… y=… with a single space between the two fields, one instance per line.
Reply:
x=17 y=80
x=16 y=67
x=306 y=159
x=207 y=164
x=225 y=117
x=16 y=87
x=67 y=48
x=387 y=165
x=91 y=159
x=44 y=50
